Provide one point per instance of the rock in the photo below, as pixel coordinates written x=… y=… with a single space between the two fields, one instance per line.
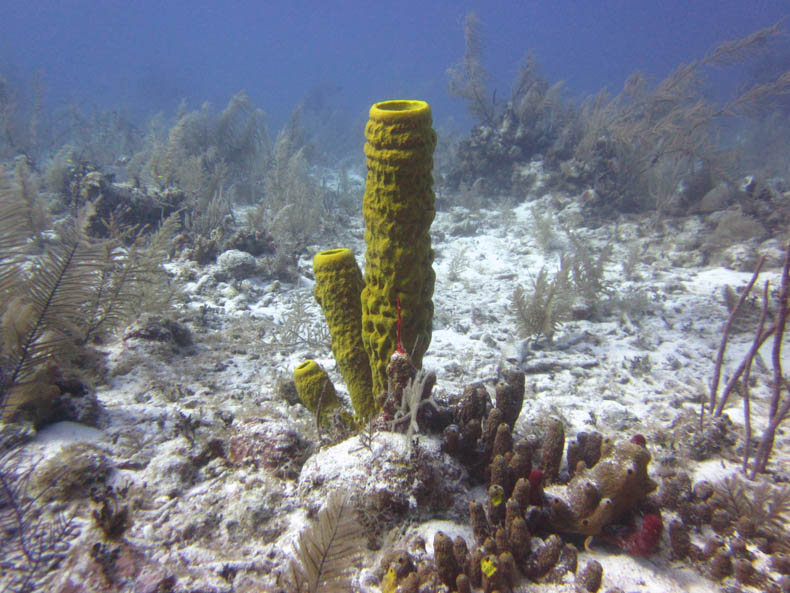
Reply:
x=173 y=471
x=274 y=445
x=90 y=568
x=156 y=328
x=255 y=242
x=237 y=264
x=590 y=577
x=391 y=478
x=742 y=257
x=70 y=473
x=718 y=198
x=83 y=408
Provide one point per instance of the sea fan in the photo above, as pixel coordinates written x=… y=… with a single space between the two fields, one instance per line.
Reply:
x=42 y=312
x=328 y=549
x=53 y=301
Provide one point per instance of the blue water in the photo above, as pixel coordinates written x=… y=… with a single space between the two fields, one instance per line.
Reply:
x=142 y=56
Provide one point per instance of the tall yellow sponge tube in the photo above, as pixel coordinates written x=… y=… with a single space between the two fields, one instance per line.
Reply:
x=338 y=289
x=398 y=209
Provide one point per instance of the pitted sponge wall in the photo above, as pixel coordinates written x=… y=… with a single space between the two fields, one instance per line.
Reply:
x=313 y=386
x=398 y=209
x=338 y=289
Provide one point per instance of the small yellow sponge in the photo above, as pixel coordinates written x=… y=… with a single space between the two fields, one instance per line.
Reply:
x=338 y=288
x=398 y=209
x=313 y=385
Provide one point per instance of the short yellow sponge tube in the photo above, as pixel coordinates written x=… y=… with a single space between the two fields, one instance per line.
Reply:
x=398 y=209
x=313 y=386
x=338 y=288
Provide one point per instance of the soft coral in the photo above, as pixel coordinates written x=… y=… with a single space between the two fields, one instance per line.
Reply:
x=536 y=478
x=641 y=541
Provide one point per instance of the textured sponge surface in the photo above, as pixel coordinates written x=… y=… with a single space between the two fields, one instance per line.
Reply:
x=338 y=290
x=398 y=209
x=313 y=385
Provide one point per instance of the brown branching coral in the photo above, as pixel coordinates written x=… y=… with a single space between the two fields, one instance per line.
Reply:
x=55 y=301
x=534 y=120
x=22 y=129
x=779 y=405
x=204 y=152
x=577 y=286
x=517 y=528
x=765 y=505
x=469 y=79
x=616 y=482
x=292 y=210
x=641 y=128
x=540 y=311
x=38 y=319
x=646 y=148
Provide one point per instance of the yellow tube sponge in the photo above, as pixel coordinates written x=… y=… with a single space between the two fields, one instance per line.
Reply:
x=398 y=208
x=313 y=385
x=338 y=288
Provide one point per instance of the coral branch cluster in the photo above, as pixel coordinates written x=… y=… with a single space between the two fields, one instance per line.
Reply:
x=532 y=499
x=779 y=405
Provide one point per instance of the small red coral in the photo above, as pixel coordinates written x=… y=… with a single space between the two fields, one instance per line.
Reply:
x=536 y=477
x=639 y=440
x=399 y=348
x=641 y=541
